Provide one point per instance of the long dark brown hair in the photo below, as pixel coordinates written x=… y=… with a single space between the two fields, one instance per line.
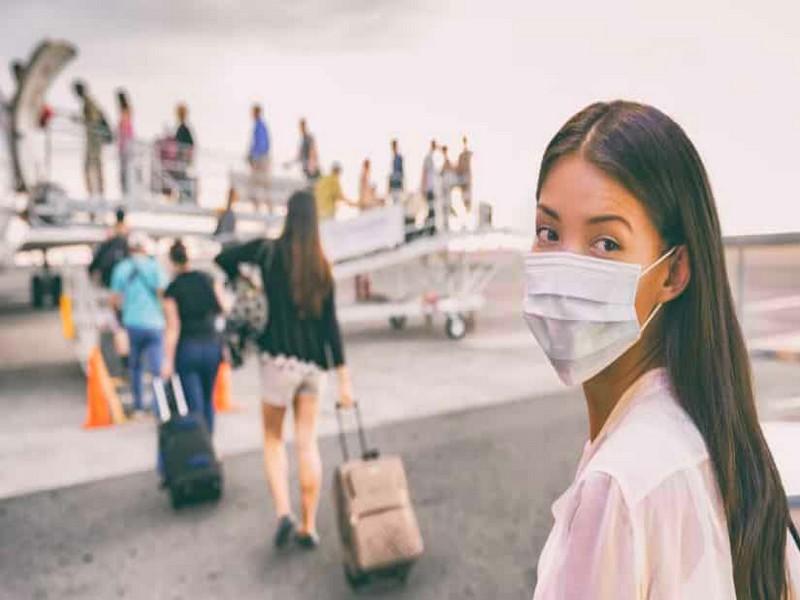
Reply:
x=649 y=154
x=309 y=270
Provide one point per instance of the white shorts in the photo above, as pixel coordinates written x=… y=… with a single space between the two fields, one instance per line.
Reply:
x=284 y=378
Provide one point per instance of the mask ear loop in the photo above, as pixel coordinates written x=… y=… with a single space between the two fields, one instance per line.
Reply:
x=653 y=313
x=664 y=256
x=658 y=306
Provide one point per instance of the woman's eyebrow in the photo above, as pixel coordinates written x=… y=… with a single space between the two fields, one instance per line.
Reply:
x=548 y=211
x=607 y=218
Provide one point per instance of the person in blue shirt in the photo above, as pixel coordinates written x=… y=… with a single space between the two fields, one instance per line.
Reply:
x=259 y=158
x=260 y=144
x=137 y=285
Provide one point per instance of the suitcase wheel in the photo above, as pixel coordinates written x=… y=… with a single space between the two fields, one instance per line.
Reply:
x=176 y=498
x=355 y=579
x=358 y=579
x=401 y=573
x=215 y=490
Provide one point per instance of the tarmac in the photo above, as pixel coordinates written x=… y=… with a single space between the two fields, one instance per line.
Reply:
x=396 y=376
x=489 y=437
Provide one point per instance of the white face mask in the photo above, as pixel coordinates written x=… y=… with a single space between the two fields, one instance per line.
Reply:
x=582 y=310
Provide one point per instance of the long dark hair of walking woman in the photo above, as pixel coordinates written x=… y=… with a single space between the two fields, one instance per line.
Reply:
x=309 y=270
x=704 y=350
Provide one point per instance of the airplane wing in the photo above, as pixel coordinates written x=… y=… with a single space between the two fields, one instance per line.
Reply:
x=46 y=238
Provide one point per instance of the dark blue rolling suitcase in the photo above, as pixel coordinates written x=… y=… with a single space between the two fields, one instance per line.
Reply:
x=192 y=472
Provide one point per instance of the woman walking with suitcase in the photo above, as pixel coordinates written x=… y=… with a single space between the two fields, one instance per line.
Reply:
x=192 y=345
x=302 y=332
x=676 y=494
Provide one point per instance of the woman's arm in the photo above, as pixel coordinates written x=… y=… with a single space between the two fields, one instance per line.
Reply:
x=223 y=300
x=230 y=258
x=115 y=299
x=345 y=387
x=171 y=334
x=333 y=337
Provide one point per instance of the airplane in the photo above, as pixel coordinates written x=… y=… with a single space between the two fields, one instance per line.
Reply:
x=423 y=275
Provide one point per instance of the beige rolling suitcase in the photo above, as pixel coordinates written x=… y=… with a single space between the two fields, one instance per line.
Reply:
x=379 y=530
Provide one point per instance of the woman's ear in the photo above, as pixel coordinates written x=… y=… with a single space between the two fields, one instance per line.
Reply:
x=680 y=273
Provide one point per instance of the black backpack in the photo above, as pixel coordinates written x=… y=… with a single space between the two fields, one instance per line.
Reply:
x=106 y=135
x=106 y=257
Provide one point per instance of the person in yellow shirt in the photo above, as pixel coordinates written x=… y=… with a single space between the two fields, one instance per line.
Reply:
x=328 y=192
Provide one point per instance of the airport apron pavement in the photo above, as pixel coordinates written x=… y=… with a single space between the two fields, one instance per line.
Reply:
x=482 y=482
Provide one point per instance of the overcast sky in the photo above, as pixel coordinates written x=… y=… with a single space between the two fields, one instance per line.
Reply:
x=507 y=74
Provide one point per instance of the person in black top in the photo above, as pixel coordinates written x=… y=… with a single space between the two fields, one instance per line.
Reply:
x=301 y=340
x=226 y=222
x=185 y=154
x=192 y=345
x=397 y=175
x=183 y=135
x=110 y=252
x=307 y=154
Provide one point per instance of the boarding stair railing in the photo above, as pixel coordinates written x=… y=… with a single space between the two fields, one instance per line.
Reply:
x=764 y=270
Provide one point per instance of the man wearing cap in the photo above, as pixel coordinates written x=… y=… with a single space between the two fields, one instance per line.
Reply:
x=137 y=284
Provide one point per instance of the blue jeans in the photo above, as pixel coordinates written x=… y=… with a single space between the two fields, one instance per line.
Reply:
x=147 y=347
x=196 y=362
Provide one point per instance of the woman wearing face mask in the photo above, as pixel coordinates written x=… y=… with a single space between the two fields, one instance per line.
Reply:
x=676 y=494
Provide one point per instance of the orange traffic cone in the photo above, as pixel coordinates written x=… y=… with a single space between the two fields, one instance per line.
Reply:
x=67 y=324
x=222 y=389
x=101 y=397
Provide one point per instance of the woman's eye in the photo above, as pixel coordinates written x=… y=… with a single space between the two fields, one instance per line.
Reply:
x=605 y=245
x=545 y=235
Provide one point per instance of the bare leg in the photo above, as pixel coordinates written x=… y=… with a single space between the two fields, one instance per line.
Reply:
x=306 y=411
x=100 y=183
x=87 y=177
x=275 y=462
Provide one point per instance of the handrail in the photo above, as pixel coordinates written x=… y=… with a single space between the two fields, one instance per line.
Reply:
x=784 y=238
x=741 y=243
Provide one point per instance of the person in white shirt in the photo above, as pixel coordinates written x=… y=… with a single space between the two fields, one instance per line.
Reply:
x=676 y=494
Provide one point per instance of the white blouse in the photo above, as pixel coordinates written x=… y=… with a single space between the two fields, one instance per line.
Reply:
x=643 y=518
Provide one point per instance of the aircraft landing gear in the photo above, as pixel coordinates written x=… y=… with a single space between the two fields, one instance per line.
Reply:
x=45 y=284
x=456 y=326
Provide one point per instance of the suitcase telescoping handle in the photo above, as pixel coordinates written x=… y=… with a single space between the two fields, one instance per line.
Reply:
x=366 y=454
x=160 y=388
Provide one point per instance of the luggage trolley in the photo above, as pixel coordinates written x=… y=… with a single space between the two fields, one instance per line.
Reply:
x=172 y=173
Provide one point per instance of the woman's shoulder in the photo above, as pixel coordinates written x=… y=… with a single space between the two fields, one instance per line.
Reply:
x=175 y=285
x=203 y=279
x=189 y=280
x=654 y=442
x=152 y=266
